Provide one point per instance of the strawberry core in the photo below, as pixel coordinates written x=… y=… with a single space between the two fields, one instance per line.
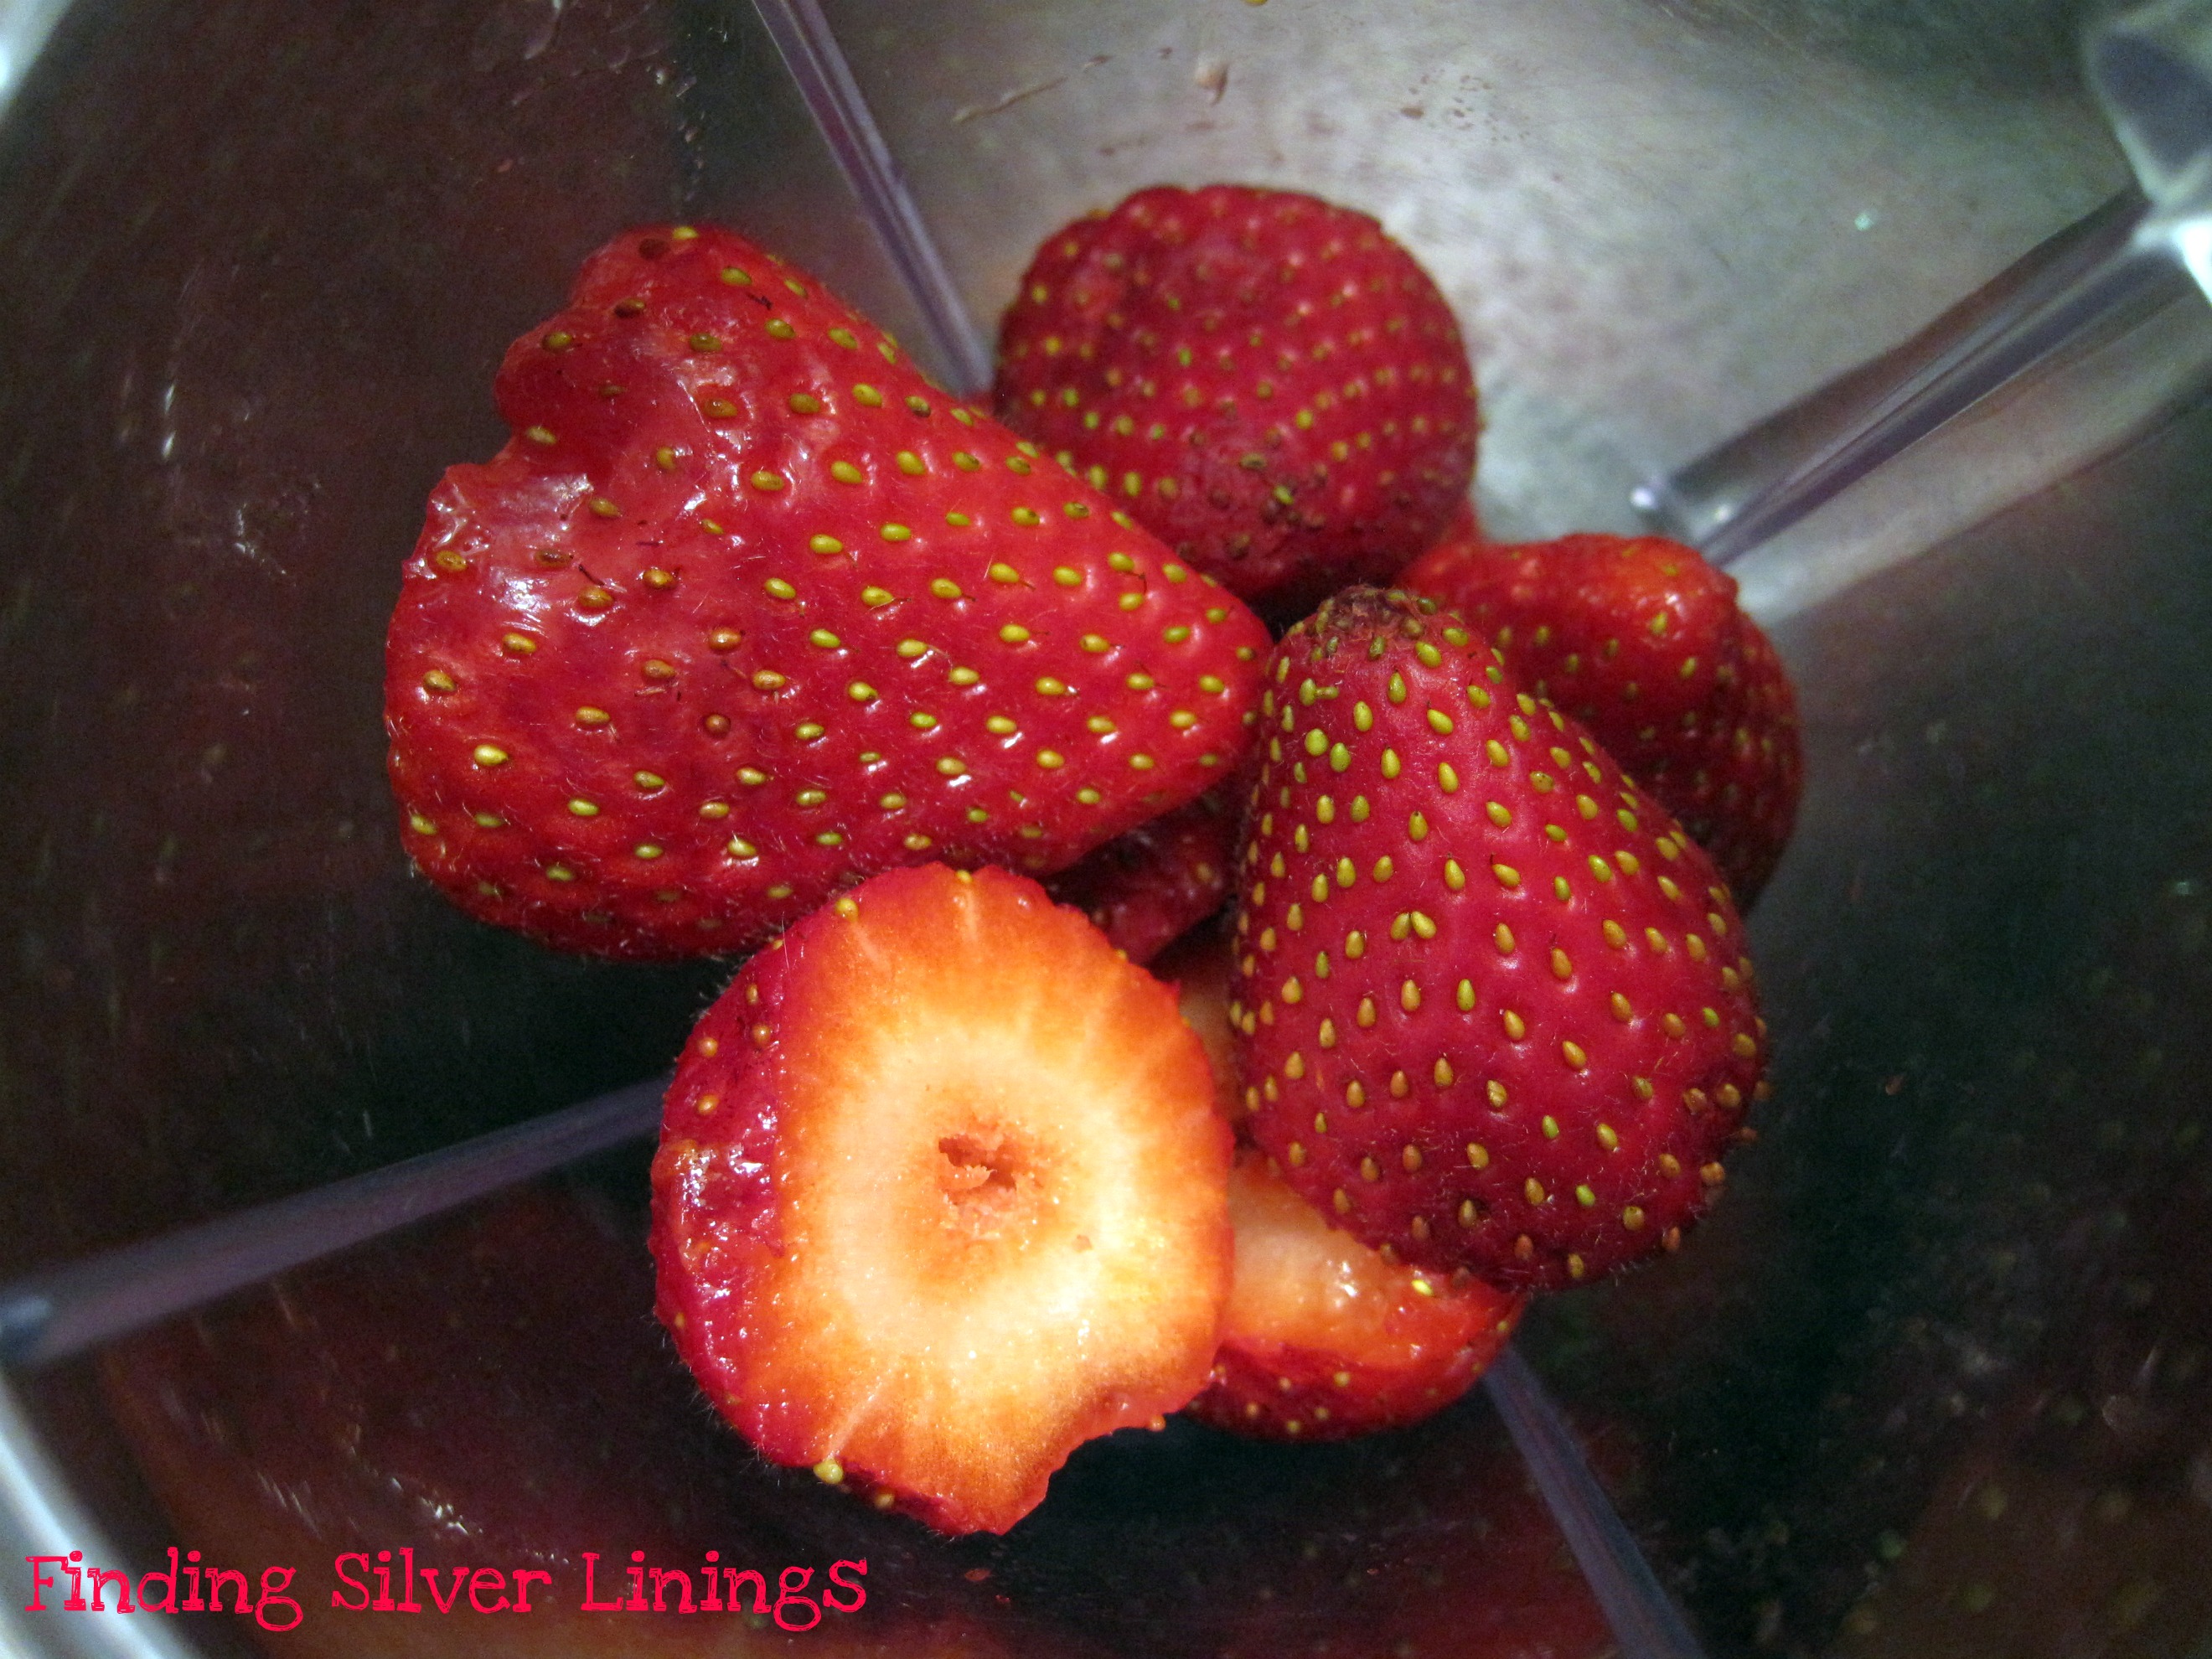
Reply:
x=991 y=1179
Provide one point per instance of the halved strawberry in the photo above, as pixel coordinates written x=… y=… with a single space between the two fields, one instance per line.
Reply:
x=747 y=610
x=1200 y=966
x=1148 y=888
x=1324 y=1338
x=939 y=1195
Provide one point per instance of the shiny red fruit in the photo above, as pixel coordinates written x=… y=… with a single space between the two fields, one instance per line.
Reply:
x=1324 y=1338
x=939 y=1196
x=1642 y=640
x=1266 y=381
x=747 y=610
x=1494 y=1003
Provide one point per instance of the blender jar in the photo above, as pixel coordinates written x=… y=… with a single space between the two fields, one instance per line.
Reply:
x=1933 y=1379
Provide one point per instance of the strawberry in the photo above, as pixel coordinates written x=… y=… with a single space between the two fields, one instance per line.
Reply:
x=1323 y=1339
x=1493 y=1008
x=1642 y=640
x=747 y=609
x=1198 y=966
x=939 y=1196
x=1463 y=526
x=1275 y=388
x=1146 y=888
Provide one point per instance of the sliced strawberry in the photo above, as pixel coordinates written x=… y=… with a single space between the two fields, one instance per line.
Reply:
x=747 y=610
x=1642 y=640
x=1273 y=385
x=1199 y=966
x=1494 y=1008
x=939 y=1195
x=1148 y=888
x=1323 y=1339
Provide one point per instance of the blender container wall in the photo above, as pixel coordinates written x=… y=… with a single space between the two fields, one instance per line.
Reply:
x=1932 y=1379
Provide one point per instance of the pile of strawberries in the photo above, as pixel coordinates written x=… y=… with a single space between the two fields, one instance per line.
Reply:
x=753 y=639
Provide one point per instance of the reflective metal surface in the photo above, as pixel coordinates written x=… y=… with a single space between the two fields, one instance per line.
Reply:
x=263 y=258
x=2090 y=290
x=1657 y=222
x=277 y=253
x=1964 y=1249
x=2150 y=64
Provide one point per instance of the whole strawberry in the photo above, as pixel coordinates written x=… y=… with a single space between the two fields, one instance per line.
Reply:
x=1642 y=640
x=1274 y=387
x=1493 y=1008
x=748 y=608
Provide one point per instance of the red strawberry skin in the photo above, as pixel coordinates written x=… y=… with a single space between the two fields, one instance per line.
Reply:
x=1145 y=889
x=747 y=609
x=1642 y=640
x=1323 y=1339
x=1271 y=384
x=1463 y=526
x=1493 y=1008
